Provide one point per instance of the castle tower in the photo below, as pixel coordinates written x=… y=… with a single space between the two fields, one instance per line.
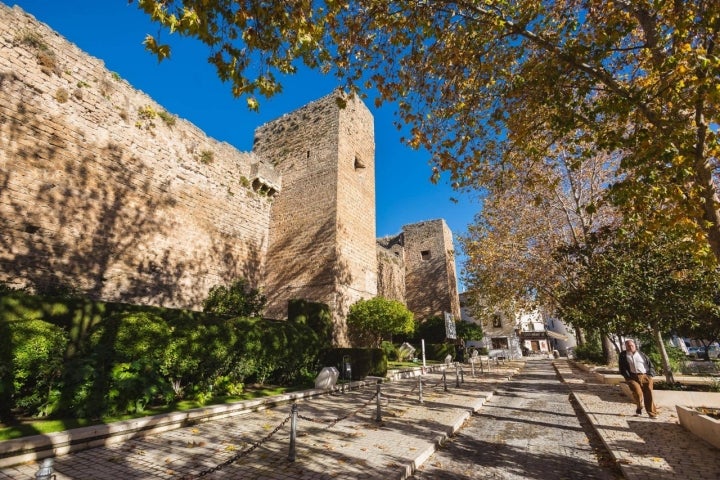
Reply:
x=430 y=277
x=322 y=228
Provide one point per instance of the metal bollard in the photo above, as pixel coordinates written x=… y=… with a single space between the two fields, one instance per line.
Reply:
x=444 y=381
x=46 y=470
x=293 y=431
x=378 y=417
x=420 y=388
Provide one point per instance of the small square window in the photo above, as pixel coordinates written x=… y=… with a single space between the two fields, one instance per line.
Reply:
x=425 y=254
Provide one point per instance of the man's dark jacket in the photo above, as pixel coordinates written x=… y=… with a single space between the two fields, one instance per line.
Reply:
x=625 y=367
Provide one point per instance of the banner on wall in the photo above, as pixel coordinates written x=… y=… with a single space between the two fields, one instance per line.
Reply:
x=450 y=326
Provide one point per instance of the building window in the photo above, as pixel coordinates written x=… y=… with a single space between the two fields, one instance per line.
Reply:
x=500 y=343
x=359 y=164
x=425 y=254
x=497 y=321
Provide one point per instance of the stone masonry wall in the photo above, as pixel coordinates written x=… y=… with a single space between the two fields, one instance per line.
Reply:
x=430 y=279
x=322 y=233
x=391 y=268
x=103 y=190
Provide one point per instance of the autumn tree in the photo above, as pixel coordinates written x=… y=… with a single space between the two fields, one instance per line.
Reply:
x=518 y=246
x=489 y=88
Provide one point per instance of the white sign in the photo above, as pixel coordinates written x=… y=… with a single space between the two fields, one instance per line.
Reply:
x=450 y=326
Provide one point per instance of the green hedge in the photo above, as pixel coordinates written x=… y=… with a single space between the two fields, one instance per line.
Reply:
x=90 y=359
x=363 y=361
x=32 y=365
x=438 y=351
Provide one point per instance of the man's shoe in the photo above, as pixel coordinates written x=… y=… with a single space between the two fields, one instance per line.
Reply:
x=638 y=411
x=652 y=415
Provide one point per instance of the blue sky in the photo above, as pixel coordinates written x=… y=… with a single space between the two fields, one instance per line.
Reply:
x=187 y=86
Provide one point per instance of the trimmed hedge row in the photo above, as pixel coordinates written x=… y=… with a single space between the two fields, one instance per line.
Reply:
x=363 y=361
x=89 y=359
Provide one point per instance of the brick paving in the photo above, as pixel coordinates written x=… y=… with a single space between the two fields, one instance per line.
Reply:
x=499 y=424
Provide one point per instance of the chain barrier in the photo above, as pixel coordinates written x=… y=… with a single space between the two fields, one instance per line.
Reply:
x=237 y=456
x=332 y=422
x=424 y=385
x=328 y=422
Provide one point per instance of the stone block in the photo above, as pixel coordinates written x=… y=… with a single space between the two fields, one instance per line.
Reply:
x=327 y=378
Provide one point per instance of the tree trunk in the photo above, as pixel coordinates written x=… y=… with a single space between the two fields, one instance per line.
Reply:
x=609 y=350
x=669 y=378
x=579 y=336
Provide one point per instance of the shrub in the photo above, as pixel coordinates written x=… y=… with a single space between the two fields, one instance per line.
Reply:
x=237 y=300
x=391 y=351
x=469 y=331
x=32 y=378
x=371 y=321
x=676 y=357
x=363 y=361
x=128 y=350
x=590 y=352
x=438 y=351
x=432 y=330
x=123 y=357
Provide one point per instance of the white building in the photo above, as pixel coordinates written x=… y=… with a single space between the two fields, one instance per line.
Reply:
x=525 y=334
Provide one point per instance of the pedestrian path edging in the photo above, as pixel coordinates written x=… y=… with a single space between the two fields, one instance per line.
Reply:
x=37 y=447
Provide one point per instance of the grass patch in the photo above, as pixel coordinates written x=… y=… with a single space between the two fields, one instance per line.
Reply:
x=392 y=365
x=34 y=426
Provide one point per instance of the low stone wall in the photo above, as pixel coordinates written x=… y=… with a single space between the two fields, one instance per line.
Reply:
x=700 y=425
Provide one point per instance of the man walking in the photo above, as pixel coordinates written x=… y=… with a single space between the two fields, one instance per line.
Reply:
x=638 y=371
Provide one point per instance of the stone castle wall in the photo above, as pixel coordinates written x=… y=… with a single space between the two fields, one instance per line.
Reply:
x=99 y=192
x=391 y=268
x=104 y=191
x=430 y=277
x=322 y=235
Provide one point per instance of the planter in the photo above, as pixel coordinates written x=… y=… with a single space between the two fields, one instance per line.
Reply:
x=700 y=425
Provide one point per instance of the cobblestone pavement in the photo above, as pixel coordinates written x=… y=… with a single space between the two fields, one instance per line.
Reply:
x=529 y=429
x=356 y=447
x=644 y=448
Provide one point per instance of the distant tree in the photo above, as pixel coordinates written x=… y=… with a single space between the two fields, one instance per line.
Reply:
x=432 y=330
x=644 y=284
x=374 y=320
x=469 y=331
x=237 y=300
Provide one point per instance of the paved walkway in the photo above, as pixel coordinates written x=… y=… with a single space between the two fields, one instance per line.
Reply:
x=644 y=448
x=528 y=429
x=339 y=436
